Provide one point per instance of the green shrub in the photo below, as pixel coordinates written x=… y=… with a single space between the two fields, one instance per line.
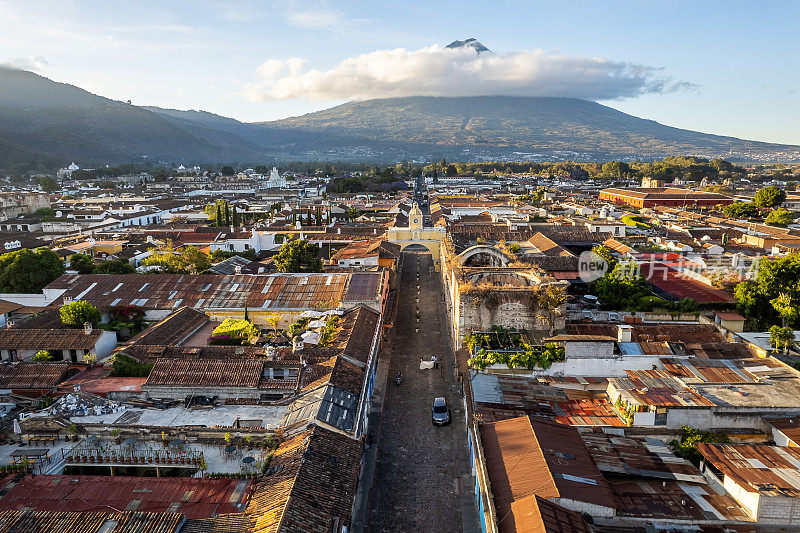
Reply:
x=75 y=314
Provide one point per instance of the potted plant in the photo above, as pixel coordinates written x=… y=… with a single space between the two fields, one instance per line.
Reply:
x=73 y=430
x=164 y=438
x=116 y=434
x=249 y=440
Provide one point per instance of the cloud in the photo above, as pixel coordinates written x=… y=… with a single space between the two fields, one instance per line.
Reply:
x=31 y=63
x=439 y=71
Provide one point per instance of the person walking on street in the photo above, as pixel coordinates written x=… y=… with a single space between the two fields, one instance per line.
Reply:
x=435 y=361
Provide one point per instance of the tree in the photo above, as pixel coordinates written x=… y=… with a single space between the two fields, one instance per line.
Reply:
x=25 y=271
x=128 y=367
x=781 y=338
x=117 y=266
x=235 y=329
x=551 y=299
x=76 y=314
x=82 y=263
x=786 y=308
x=42 y=356
x=780 y=217
x=791 y=185
x=298 y=256
x=774 y=293
x=48 y=184
x=186 y=260
x=273 y=319
x=606 y=253
x=622 y=287
x=615 y=169
x=741 y=210
x=227 y=170
x=769 y=197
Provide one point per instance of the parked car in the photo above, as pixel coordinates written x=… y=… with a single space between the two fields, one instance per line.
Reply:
x=440 y=413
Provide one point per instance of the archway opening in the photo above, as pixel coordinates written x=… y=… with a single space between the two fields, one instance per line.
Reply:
x=417 y=249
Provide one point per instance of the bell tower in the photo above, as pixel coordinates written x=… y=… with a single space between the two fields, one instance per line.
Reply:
x=415 y=217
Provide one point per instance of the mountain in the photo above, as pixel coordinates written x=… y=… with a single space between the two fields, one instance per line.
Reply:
x=504 y=127
x=472 y=42
x=42 y=120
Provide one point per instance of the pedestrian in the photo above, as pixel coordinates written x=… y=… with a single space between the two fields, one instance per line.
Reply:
x=435 y=361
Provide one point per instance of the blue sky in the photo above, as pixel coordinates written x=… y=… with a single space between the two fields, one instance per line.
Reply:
x=719 y=67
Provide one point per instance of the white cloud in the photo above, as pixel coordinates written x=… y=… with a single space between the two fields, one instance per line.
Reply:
x=31 y=63
x=439 y=71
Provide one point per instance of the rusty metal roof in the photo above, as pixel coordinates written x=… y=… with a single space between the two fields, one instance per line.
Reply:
x=207 y=291
x=757 y=468
x=194 y=497
x=657 y=388
x=527 y=457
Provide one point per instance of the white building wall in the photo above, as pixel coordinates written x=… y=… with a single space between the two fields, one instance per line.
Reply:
x=607 y=367
x=748 y=500
x=105 y=344
x=584 y=507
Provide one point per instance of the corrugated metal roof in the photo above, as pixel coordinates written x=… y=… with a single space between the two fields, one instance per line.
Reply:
x=206 y=291
x=197 y=497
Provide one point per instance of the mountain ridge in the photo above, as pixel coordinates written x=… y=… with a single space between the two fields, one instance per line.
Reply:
x=44 y=119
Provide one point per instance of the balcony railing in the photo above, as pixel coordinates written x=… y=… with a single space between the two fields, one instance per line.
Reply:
x=115 y=454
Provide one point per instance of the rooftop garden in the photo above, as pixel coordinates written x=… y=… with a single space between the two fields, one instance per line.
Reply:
x=527 y=356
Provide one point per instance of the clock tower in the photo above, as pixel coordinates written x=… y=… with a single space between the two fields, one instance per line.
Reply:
x=415 y=217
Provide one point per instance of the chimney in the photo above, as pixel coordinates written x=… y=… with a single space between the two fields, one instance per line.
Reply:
x=67 y=300
x=624 y=333
x=270 y=352
x=87 y=327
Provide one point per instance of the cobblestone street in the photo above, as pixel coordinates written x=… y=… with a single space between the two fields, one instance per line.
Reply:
x=423 y=479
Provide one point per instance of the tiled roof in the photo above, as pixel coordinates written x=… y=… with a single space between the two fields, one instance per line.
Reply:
x=48 y=339
x=207 y=373
x=380 y=248
x=172 y=330
x=356 y=333
x=310 y=485
x=32 y=375
x=59 y=522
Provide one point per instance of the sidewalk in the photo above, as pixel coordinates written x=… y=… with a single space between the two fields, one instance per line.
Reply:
x=366 y=479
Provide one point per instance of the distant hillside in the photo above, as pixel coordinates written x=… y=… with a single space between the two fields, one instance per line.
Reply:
x=44 y=120
x=549 y=127
x=40 y=118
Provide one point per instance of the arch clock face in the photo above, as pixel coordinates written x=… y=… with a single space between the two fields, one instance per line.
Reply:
x=416 y=220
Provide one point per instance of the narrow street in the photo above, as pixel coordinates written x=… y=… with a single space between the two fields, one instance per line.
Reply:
x=423 y=480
